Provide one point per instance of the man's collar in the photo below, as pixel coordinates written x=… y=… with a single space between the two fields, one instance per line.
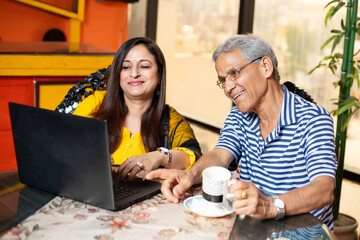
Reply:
x=288 y=112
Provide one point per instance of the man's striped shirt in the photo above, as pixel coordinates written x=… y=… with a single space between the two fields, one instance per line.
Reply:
x=299 y=149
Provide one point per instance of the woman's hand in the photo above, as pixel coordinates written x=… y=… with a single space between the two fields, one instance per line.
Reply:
x=248 y=200
x=145 y=162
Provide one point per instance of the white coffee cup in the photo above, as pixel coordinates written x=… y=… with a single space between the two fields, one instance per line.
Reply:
x=215 y=184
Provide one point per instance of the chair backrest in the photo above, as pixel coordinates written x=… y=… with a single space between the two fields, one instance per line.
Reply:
x=84 y=88
x=298 y=91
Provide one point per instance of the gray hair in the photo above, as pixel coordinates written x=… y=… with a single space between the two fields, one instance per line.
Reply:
x=251 y=47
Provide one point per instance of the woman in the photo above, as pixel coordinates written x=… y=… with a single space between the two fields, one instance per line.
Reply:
x=144 y=133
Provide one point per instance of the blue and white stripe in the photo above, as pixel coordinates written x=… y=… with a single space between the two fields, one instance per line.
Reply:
x=299 y=149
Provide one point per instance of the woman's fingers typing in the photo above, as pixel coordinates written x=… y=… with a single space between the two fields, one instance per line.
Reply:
x=134 y=165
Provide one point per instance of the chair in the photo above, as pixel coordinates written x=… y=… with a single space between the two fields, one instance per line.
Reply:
x=84 y=88
x=298 y=91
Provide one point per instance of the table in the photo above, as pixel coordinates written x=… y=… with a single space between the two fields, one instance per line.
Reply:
x=46 y=216
x=303 y=226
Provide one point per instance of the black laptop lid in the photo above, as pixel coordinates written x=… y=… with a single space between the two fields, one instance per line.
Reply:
x=63 y=154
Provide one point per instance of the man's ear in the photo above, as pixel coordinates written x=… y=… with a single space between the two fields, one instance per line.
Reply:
x=268 y=66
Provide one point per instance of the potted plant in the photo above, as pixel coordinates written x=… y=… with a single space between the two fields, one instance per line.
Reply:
x=347 y=105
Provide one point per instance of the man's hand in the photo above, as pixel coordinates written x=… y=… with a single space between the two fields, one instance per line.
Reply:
x=248 y=200
x=315 y=195
x=175 y=182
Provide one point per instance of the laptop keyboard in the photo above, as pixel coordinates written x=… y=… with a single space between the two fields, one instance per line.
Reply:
x=121 y=191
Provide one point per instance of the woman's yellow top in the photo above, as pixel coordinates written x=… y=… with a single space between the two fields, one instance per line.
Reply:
x=181 y=136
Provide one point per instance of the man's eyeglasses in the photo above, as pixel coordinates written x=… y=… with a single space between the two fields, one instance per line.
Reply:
x=233 y=74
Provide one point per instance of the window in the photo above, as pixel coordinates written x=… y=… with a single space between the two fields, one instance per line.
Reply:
x=188 y=32
x=296 y=31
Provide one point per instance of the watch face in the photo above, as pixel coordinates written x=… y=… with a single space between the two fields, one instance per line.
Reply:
x=164 y=150
x=279 y=203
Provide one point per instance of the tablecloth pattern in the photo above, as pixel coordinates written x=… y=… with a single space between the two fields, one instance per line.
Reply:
x=155 y=218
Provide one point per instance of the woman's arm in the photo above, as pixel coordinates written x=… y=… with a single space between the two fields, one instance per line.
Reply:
x=182 y=145
x=182 y=139
x=87 y=106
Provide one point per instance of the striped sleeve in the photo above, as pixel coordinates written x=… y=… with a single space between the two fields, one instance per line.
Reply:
x=229 y=137
x=320 y=146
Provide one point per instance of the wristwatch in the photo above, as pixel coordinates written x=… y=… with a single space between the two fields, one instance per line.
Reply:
x=280 y=206
x=166 y=152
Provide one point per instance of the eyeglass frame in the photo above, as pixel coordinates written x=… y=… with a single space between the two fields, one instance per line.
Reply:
x=235 y=72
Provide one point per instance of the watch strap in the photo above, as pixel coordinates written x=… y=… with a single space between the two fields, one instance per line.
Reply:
x=168 y=153
x=280 y=207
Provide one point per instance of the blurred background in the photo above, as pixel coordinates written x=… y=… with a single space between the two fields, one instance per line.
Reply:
x=38 y=67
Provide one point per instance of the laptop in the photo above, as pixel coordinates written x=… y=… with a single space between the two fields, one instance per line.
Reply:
x=68 y=155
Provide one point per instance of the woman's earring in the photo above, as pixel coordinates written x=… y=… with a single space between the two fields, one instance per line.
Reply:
x=158 y=92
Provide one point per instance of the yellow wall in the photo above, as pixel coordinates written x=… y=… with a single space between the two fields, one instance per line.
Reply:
x=50 y=96
x=52 y=65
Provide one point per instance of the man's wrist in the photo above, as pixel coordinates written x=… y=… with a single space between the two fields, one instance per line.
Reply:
x=196 y=172
x=280 y=207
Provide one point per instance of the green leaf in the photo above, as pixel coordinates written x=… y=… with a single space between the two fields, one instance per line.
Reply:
x=358 y=31
x=336 y=42
x=332 y=68
x=316 y=67
x=340 y=5
x=329 y=15
x=345 y=108
x=357 y=80
x=333 y=112
x=346 y=123
x=350 y=76
x=349 y=100
x=336 y=31
x=331 y=3
x=327 y=41
x=338 y=55
x=328 y=57
x=357 y=52
x=343 y=27
x=312 y=70
x=356 y=76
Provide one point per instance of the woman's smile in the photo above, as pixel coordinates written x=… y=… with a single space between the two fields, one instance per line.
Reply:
x=136 y=83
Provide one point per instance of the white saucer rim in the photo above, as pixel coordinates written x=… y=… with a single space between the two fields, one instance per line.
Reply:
x=224 y=213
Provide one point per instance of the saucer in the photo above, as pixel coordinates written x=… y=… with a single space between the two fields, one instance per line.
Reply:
x=200 y=206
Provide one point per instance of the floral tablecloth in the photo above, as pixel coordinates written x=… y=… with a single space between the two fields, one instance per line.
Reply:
x=155 y=218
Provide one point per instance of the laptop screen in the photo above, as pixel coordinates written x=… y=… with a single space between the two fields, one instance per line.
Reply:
x=69 y=156
x=63 y=154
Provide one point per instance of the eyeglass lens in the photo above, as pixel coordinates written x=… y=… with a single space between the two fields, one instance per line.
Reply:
x=233 y=74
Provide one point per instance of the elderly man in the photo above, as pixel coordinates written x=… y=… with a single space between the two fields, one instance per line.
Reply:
x=283 y=144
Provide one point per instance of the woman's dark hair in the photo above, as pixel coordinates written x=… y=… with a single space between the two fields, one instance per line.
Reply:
x=114 y=109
